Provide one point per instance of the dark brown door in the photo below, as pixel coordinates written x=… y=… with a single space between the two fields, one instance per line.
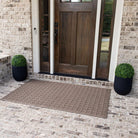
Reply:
x=74 y=36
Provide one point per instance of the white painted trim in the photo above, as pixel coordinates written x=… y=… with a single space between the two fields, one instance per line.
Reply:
x=96 y=39
x=52 y=36
x=35 y=35
x=116 y=39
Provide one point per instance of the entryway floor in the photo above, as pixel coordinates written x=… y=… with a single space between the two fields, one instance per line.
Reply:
x=24 y=121
x=79 y=99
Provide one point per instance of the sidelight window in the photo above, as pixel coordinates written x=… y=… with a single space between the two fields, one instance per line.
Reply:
x=44 y=34
x=105 y=38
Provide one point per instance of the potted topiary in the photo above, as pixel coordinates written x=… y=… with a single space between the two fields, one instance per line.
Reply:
x=19 y=68
x=123 y=78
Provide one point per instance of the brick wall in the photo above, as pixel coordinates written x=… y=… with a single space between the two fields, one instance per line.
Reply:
x=15 y=29
x=128 y=50
x=5 y=67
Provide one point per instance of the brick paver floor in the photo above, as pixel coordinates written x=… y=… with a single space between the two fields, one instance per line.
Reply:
x=25 y=121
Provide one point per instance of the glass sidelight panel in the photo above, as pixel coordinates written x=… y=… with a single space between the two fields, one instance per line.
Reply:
x=45 y=3
x=105 y=39
x=45 y=23
x=45 y=39
x=104 y=52
x=44 y=35
x=45 y=54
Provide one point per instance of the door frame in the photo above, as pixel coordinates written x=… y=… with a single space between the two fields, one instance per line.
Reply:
x=116 y=39
x=80 y=70
x=36 y=39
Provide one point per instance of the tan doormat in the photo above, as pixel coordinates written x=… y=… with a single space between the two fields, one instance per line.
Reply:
x=66 y=97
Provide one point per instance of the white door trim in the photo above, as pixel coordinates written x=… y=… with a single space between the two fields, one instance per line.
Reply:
x=116 y=39
x=99 y=2
x=35 y=36
x=52 y=7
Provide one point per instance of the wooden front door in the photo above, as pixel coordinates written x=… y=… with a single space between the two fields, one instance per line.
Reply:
x=74 y=36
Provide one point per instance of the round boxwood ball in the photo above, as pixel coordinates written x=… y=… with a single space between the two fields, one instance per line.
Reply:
x=19 y=61
x=124 y=70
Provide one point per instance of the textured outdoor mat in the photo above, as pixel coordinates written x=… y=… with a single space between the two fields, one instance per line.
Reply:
x=66 y=97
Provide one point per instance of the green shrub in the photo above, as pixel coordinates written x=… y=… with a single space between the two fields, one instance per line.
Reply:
x=19 y=61
x=124 y=70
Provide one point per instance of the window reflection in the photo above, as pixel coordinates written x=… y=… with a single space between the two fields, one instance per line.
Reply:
x=104 y=51
x=45 y=31
x=45 y=7
x=45 y=23
x=45 y=54
x=106 y=33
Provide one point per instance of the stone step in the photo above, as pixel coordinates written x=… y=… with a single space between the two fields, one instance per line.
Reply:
x=71 y=80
